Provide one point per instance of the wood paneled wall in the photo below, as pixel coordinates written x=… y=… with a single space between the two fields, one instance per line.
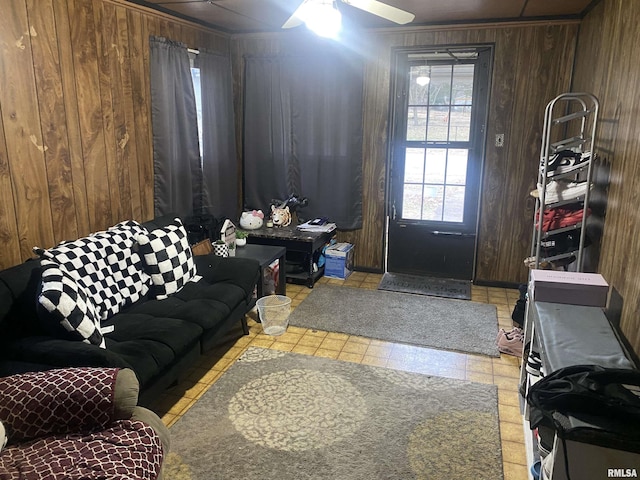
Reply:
x=607 y=66
x=75 y=133
x=532 y=64
x=75 y=125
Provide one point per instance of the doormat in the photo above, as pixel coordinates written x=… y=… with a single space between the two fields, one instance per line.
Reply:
x=285 y=416
x=435 y=287
x=431 y=322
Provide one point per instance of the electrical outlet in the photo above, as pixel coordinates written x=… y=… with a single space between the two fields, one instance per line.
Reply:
x=500 y=140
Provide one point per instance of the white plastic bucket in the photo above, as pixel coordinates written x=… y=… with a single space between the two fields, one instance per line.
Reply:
x=274 y=313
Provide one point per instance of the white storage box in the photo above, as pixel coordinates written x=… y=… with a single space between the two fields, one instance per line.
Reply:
x=339 y=260
x=574 y=288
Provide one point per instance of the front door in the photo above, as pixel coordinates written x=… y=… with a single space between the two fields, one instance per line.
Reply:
x=437 y=144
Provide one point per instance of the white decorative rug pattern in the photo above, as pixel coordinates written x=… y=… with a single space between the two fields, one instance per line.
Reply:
x=280 y=416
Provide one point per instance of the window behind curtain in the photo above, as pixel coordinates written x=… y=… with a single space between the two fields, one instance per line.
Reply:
x=303 y=133
x=197 y=90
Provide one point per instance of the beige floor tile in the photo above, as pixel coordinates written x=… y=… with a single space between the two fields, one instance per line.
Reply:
x=350 y=357
x=169 y=419
x=337 y=336
x=506 y=383
x=261 y=342
x=356 y=339
x=479 y=377
x=304 y=349
x=382 y=351
x=514 y=471
x=332 y=344
x=353 y=347
x=374 y=361
x=479 y=365
x=316 y=333
x=512 y=432
x=513 y=452
x=509 y=397
x=289 y=337
x=283 y=347
x=323 y=352
x=297 y=330
x=511 y=371
x=310 y=341
x=509 y=413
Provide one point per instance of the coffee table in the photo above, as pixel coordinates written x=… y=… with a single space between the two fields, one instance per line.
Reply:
x=306 y=245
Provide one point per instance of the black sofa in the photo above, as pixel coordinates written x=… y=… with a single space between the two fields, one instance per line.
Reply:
x=158 y=339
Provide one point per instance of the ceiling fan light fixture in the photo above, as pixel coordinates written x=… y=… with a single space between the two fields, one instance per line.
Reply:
x=322 y=17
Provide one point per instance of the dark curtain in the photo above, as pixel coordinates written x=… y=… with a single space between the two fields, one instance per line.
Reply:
x=267 y=132
x=311 y=109
x=176 y=154
x=219 y=161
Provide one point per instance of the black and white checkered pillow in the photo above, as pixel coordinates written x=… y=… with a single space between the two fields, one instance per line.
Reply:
x=168 y=259
x=68 y=305
x=106 y=266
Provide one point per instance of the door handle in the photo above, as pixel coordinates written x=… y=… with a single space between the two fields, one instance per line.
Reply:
x=450 y=234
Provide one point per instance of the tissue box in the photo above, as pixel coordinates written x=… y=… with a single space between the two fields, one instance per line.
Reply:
x=339 y=260
x=574 y=288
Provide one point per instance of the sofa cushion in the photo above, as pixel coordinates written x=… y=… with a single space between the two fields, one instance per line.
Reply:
x=57 y=401
x=167 y=258
x=106 y=265
x=151 y=344
x=67 y=310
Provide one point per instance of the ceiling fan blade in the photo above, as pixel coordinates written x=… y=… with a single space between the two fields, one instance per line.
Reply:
x=383 y=10
x=295 y=19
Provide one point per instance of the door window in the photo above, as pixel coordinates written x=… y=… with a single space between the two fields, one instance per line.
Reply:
x=437 y=141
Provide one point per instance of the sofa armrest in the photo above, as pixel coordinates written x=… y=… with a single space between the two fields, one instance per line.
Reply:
x=68 y=400
x=243 y=272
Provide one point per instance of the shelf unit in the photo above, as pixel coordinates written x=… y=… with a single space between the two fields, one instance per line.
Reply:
x=566 y=335
x=570 y=123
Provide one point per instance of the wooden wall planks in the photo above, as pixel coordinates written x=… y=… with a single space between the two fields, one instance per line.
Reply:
x=75 y=129
x=81 y=89
x=606 y=65
x=532 y=65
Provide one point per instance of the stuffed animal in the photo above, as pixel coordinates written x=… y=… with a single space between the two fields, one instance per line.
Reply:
x=251 y=220
x=281 y=216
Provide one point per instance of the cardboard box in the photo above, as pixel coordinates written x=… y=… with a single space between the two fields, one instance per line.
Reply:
x=574 y=288
x=339 y=260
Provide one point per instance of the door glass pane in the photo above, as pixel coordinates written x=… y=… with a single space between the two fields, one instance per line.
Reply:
x=440 y=85
x=417 y=124
x=432 y=203
x=462 y=88
x=460 y=124
x=436 y=165
x=412 y=201
x=438 y=130
x=453 y=204
x=414 y=165
x=419 y=79
x=457 y=166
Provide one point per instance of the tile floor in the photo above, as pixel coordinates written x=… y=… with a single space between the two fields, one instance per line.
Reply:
x=502 y=371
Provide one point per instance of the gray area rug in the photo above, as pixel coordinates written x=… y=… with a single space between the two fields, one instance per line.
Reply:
x=458 y=325
x=283 y=416
x=436 y=287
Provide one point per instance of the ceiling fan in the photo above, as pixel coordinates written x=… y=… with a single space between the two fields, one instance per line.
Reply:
x=326 y=13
